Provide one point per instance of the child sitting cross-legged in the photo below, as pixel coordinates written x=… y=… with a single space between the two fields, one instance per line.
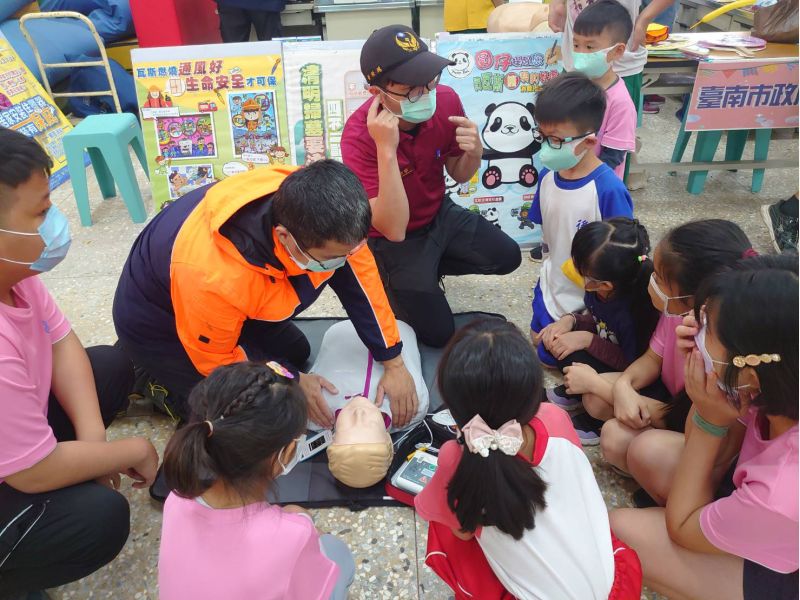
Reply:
x=575 y=188
x=516 y=491
x=649 y=393
x=611 y=258
x=737 y=540
x=220 y=538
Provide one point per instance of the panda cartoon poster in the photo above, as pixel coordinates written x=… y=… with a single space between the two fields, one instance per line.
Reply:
x=498 y=77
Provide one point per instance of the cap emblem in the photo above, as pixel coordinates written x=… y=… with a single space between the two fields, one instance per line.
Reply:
x=407 y=41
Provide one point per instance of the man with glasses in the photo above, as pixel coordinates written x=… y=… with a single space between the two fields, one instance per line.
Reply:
x=399 y=143
x=217 y=276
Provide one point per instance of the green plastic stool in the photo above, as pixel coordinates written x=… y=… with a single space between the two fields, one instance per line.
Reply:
x=106 y=138
x=706 y=147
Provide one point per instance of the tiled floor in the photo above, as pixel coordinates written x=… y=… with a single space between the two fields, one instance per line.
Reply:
x=389 y=544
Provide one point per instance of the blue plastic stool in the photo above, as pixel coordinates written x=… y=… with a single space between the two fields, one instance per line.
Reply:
x=706 y=147
x=106 y=138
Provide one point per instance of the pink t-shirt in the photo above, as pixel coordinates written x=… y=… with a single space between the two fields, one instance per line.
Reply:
x=27 y=334
x=664 y=342
x=759 y=520
x=258 y=551
x=618 y=130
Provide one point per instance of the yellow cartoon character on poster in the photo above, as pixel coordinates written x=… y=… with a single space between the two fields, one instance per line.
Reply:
x=277 y=155
x=251 y=111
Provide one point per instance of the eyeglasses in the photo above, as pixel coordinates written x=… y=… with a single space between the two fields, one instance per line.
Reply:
x=556 y=142
x=416 y=93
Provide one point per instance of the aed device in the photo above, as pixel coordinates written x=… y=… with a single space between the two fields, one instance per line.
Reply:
x=315 y=444
x=415 y=473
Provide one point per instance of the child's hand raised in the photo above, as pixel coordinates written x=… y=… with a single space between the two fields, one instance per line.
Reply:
x=709 y=401
x=686 y=332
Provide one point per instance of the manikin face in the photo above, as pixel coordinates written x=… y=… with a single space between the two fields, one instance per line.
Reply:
x=360 y=422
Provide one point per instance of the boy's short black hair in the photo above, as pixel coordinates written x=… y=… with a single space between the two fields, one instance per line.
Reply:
x=607 y=16
x=571 y=98
x=22 y=157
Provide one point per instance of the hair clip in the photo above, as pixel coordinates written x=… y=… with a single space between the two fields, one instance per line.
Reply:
x=210 y=427
x=753 y=360
x=279 y=369
x=642 y=258
x=749 y=253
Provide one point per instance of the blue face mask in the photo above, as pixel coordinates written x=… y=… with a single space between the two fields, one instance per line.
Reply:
x=419 y=111
x=592 y=64
x=54 y=231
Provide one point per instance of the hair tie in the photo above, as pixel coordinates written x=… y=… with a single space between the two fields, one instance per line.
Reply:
x=642 y=258
x=480 y=438
x=210 y=428
x=749 y=253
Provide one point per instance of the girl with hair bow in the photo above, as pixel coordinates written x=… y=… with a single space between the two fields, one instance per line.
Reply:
x=514 y=508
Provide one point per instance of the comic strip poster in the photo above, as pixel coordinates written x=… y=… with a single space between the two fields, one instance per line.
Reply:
x=324 y=86
x=185 y=178
x=498 y=77
x=254 y=125
x=209 y=112
x=26 y=107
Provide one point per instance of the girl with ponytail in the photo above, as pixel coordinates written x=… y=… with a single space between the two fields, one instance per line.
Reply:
x=516 y=483
x=220 y=537
x=611 y=258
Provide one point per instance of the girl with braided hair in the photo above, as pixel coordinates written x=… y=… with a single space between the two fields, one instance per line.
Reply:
x=611 y=262
x=220 y=537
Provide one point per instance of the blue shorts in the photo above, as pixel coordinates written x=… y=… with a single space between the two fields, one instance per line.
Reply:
x=541 y=319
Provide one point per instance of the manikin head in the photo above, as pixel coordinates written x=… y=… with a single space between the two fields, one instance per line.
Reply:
x=361 y=451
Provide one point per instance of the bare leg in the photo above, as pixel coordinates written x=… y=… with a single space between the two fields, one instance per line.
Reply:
x=672 y=570
x=597 y=407
x=652 y=459
x=615 y=438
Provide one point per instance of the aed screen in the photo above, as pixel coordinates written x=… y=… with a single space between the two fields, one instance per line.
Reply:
x=419 y=471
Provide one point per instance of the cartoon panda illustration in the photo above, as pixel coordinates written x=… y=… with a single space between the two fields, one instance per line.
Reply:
x=462 y=66
x=509 y=145
x=491 y=215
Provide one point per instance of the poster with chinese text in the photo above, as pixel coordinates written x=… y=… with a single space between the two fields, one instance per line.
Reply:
x=209 y=112
x=745 y=94
x=498 y=77
x=324 y=86
x=26 y=107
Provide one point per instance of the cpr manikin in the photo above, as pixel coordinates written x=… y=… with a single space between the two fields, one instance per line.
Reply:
x=361 y=450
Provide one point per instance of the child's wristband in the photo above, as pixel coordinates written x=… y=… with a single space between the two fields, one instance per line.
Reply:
x=710 y=428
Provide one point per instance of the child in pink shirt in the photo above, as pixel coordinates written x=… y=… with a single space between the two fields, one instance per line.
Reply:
x=61 y=517
x=682 y=260
x=741 y=375
x=220 y=538
x=600 y=33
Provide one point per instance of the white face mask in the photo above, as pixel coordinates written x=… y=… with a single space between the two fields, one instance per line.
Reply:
x=700 y=342
x=287 y=468
x=665 y=299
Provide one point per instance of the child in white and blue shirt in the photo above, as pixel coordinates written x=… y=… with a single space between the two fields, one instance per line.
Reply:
x=575 y=188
